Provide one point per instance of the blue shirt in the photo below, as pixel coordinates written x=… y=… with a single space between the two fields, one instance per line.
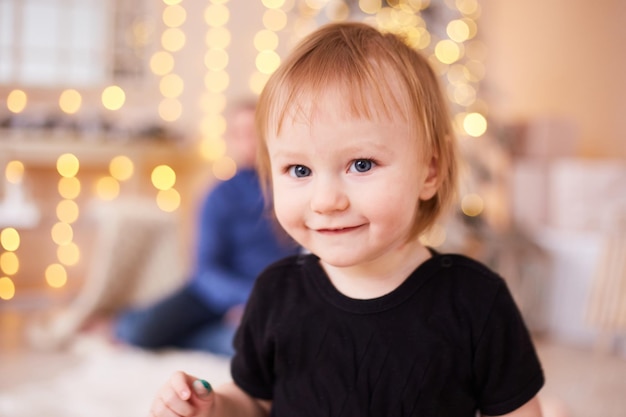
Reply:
x=237 y=239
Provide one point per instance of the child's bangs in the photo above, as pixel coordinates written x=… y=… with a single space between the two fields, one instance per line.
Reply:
x=357 y=87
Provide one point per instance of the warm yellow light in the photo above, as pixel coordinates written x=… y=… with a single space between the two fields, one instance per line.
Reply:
x=337 y=11
x=10 y=239
x=171 y=2
x=70 y=101
x=107 y=188
x=216 y=82
x=161 y=63
x=471 y=26
x=458 y=30
x=68 y=165
x=168 y=200
x=273 y=4
x=464 y=95
x=316 y=4
x=212 y=149
x=121 y=168
x=62 y=233
x=69 y=187
x=216 y=15
x=174 y=16
x=67 y=211
x=56 y=276
x=9 y=263
x=213 y=126
x=16 y=101
x=447 y=51
x=14 y=172
x=265 y=39
x=113 y=97
x=7 y=288
x=217 y=37
x=224 y=168
x=257 y=82
x=370 y=6
x=274 y=19
x=163 y=177
x=173 y=39
x=475 y=124
x=216 y=59
x=419 y=4
x=472 y=205
x=68 y=254
x=467 y=7
x=170 y=109
x=267 y=62
x=171 y=86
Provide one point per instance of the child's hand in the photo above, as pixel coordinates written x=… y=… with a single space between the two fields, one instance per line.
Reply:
x=183 y=396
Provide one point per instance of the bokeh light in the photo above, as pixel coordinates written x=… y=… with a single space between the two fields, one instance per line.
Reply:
x=224 y=168
x=171 y=85
x=174 y=16
x=69 y=254
x=472 y=205
x=67 y=211
x=216 y=15
x=9 y=263
x=7 y=288
x=70 y=101
x=56 y=276
x=16 y=101
x=161 y=63
x=62 y=233
x=121 y=168
x=10 y=239
x=168 y=200
x=173 y=39
x=475 y=124
x=14 y=172
x=68 y=165
x=113 y=97
x=170 y=109
x=163 y=177
x=107 y=188
x=69 y=187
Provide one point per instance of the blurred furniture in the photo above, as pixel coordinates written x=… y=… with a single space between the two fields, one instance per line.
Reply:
x=606 y=310
x=136 y=259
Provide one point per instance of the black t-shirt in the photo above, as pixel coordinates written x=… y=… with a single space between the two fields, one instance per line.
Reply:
x=447 y=342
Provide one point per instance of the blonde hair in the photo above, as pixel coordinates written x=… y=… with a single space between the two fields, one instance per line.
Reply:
x=377 y=75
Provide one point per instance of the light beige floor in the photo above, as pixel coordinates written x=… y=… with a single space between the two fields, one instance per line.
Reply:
x=580 y=382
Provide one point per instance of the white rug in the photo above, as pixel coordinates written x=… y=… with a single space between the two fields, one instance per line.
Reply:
x=107 y=381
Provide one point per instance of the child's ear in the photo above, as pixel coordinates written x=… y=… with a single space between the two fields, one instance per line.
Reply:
x=431 y=182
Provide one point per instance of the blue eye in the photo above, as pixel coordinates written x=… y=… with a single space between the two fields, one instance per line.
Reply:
x=362 y=165
x=299 y=171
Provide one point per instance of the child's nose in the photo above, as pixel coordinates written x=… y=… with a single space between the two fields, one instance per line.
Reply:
x=328 y=196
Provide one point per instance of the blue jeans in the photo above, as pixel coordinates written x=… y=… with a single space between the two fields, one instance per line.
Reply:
x=180 y=320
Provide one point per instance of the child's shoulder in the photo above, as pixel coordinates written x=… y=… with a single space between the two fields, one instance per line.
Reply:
x=466 y=270
x=463 y=262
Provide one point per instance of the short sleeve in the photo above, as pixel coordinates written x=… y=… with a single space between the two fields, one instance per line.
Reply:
x=252 y=364
x=506 y=366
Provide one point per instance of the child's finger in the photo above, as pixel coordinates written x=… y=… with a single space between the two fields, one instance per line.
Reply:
x=202 y=388
x=179 y=384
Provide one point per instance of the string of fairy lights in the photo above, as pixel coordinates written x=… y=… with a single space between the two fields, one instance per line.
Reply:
x=452 y=47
